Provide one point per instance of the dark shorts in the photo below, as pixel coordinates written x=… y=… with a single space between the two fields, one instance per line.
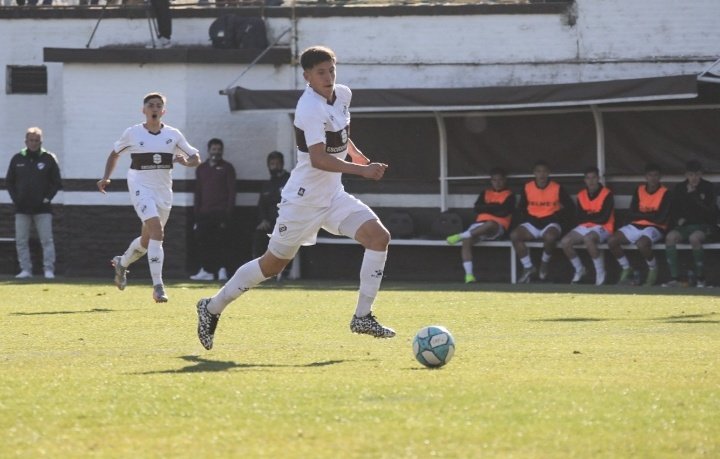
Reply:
x=685 y=231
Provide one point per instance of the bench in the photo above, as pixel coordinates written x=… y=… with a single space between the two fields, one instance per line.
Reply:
x=501 y=243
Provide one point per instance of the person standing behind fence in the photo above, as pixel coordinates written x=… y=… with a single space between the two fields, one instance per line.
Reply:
x=33 y=180
x=214 y=207
x=542 y=205
x=694 y=215
x=595 y=214
x=493 y=208
x=164 y=21
x=270 y=195
x=649 y=217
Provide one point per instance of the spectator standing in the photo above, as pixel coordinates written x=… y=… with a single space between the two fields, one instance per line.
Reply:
x=542 y=205
x=164 y=21
x=33 y=180
x=270 y=195
x=694 y=216
x=595 y=214
x=649 y=217
x=214 y=207
x=154 y=147
x=493 y=208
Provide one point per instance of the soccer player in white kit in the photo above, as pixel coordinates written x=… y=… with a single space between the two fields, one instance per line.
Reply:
x=314 y=198
x=154 y=147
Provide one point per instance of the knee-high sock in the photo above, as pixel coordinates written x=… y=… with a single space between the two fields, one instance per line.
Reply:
x=371 y=274
x=133 y=253
x=156 y=258
x=698 y=257
x=671 y=254
x=246 y=277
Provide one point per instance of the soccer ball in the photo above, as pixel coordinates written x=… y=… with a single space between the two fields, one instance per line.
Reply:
x=433 y=346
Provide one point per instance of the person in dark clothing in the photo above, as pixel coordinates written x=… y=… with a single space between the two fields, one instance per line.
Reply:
x=595 y=215
x=694 y=219
x=493 y=215
x=269 y=199
x=214 y=207
x=649 y=217
x=33 y=180
x=542 y=207
x=164 y=21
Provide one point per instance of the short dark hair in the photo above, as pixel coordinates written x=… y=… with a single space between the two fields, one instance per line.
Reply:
x=154 y=95
x=215 y=141
x=315 y=55
x=541 y=162
x=693 y=166
x=591 y=170
x=498 y=171
x=652 y=167
x=276 y=155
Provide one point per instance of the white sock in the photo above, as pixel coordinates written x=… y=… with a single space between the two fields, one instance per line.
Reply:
x=468 y=267
x=546 y=257
x=133 y=253
x=599 y=264
x=526 y=262
x=577 y=264
x=465 y=235
x=652 y=263
x=624 y=263
x=371 y=274
x=156 y=258
x=246 y=277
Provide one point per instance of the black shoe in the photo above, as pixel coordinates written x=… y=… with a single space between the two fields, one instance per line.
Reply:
x=368 y=325
x=207 y=323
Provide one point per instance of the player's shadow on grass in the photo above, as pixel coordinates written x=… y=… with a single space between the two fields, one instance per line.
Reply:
x=690 y=319
x=201 y=365
x=570 y=319
x=50 y=313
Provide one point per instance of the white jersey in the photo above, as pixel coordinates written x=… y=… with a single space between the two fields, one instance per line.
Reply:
x=317 y=121
x=152 y=154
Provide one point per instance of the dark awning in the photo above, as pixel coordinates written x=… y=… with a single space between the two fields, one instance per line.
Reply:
x=489 y=98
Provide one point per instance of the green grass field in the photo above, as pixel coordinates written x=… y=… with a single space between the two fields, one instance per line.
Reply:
x=88 y=371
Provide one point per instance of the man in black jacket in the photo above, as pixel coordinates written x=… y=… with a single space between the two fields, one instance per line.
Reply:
x=694 y=219
x=33 y=179
x=269 y=199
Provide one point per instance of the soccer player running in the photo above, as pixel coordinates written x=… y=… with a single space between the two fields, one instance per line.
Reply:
x=153 y=147
x=694 y=214
x=595 y=213
x=649 y=217
x=314 y=198
x=542 y=204
x=493 y=209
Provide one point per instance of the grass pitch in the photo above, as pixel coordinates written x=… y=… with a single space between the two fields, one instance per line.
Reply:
x=88 y=371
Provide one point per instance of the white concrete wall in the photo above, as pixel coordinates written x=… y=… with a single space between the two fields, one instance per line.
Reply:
x=88 y=106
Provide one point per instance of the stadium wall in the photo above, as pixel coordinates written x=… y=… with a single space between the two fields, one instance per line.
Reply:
x=88 y=104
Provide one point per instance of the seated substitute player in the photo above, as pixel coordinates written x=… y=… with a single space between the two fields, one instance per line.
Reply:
x=694 y=216
x=314 y=198
x=153 y=147
x=493 y=208
x=595 y=213
x=542 y=204
x=649 y=217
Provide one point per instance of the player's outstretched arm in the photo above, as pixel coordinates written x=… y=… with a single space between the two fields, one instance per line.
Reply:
x=109 y=168
x=191 y=161
x=323 y=161
x=356 y=155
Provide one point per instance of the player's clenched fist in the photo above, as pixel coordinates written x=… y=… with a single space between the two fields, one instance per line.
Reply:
x=375 y=171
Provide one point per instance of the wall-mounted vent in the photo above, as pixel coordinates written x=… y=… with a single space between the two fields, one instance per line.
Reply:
x=26 y=79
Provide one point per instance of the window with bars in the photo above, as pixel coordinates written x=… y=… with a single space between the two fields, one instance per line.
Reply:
x=26 y=79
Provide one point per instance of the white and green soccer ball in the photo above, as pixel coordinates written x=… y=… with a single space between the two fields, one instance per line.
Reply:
x=433 y=346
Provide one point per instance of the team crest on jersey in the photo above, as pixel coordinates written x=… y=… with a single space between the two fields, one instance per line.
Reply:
x=301 y=191
x=142 y=144
x=282 y=229
x=345 y=109
x=168 y=141
x=157 y=159
x=40 y=166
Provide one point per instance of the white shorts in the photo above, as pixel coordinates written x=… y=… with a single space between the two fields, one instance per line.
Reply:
x=298 y=225
x=488 y=237
x=633 y=233
x=602 y=233
x=536 y=232
x=150 y=202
